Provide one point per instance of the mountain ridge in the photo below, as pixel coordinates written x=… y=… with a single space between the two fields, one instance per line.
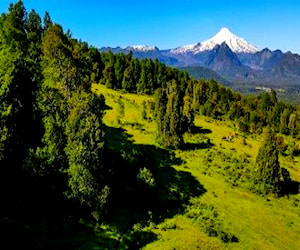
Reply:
x=231 y=57
x=235 y=43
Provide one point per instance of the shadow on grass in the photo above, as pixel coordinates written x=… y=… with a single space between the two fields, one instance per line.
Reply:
x=200 y=130
x=290 y=188
x=196 y=146
x=146 y=188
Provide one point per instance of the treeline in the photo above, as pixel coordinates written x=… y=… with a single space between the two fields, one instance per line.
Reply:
x=120 y=71
x=250 y=113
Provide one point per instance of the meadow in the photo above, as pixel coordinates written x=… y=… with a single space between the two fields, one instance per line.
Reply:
x=227 y=215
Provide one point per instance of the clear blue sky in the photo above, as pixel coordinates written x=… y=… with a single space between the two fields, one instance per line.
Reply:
x=169 y=24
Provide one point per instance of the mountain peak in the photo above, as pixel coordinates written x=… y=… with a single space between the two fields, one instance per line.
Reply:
x=142 y=48
x=235 y=43
x=224 y=32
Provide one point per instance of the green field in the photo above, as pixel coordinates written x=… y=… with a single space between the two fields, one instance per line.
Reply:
x=226 y=215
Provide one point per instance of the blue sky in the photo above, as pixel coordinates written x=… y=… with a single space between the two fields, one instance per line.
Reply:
x=168 y=24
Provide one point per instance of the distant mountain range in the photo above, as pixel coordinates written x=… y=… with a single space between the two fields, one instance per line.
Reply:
x=233 y=59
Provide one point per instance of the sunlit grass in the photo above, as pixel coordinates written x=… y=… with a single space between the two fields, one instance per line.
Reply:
x=180 y=233
x=258 y=222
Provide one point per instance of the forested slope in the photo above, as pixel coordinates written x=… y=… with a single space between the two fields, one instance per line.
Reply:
x=101 y=150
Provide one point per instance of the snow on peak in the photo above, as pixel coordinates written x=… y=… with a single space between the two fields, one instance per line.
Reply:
x=225 y=32
x=143 y=48
x=235 y=43
x=193 y=48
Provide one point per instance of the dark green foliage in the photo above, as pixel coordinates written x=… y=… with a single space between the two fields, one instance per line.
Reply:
x=128 y=83
x=267 y=168
x=49 y=117
x=109 y=76
x=268 y=177
x=84 y=151
x=187 y=114
x=52 y=141
x=168 y=115
x=251 y=113
x=73 y=139
x=47 y=21
x=18 y=83
x=207 y=218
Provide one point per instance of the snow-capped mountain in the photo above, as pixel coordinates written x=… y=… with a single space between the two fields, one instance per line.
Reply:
x=142 y=48
x=235 y=43
x=231 y=56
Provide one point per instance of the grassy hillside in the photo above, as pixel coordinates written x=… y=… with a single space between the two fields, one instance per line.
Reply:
x=226 y=215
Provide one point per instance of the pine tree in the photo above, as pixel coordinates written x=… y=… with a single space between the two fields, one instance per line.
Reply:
x=128 y=83
x=119 y=70
x=168 y=109
x=109 y=76
x=267 y=171
x=47 y=21
x=143 y=81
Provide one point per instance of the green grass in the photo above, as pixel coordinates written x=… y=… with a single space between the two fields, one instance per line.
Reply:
x=223 y=168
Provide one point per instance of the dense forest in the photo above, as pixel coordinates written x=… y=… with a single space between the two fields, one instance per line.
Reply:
x=58 y=163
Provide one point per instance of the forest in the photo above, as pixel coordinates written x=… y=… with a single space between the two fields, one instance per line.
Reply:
x=72 y=180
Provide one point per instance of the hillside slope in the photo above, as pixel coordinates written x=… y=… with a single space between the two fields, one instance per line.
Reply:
x=226 y=215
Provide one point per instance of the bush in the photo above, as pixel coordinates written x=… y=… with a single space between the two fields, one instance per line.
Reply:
x=207 y=218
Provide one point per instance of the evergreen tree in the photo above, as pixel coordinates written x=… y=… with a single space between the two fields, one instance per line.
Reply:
x=284 y=122
x=293 y=124
x=188 y=114
x=143 y=81
x=267 y=170
x=169 y=104
x=128 y=82
x=119 y=70
x=47 y=21
x=16 y=101
x=97 y=65
x=109 y=76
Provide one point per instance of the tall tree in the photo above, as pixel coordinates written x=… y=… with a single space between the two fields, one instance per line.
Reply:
x=128 y=83
x=84 y=151
x=169 y=104
x=16 y=102
x=47 y=21
x=109 y=76
x=267 y=170
x=143 y=81
x=59 y=80
x=73 y=141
